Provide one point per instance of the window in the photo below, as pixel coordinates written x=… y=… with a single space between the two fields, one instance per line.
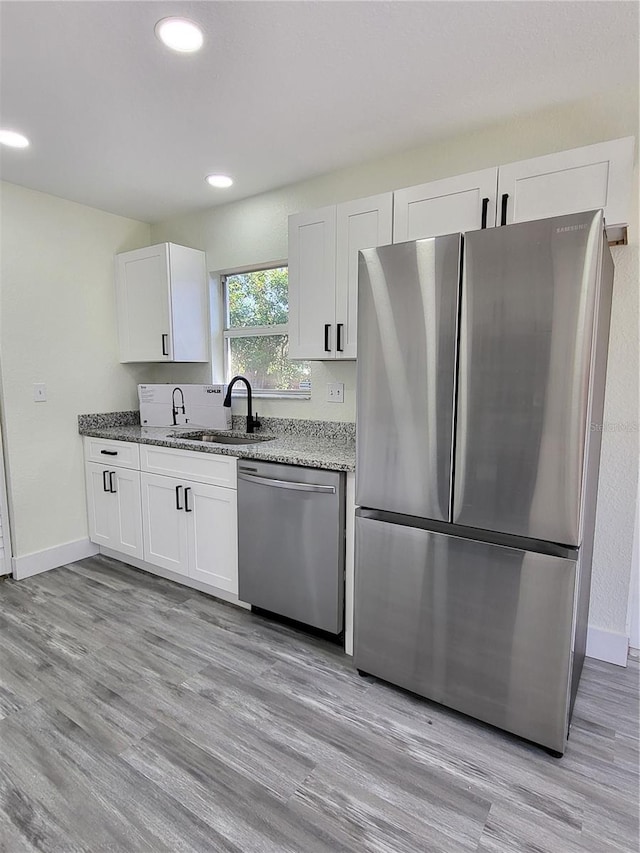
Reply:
x=255 y=336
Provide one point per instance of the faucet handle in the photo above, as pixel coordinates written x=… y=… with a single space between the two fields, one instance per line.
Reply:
x=256 y=422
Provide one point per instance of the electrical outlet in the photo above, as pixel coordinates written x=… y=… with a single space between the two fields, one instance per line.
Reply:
x=335 y=392
x=39 y=392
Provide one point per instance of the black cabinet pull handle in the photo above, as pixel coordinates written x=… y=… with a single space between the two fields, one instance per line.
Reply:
x=112 y=487
x=186 y=499
x=327 y=333
x=178 y=505
x=109 y=452
x=485 y=208
x=165 y=344
x=503 y=215
x=339 y=328
x=105 y=487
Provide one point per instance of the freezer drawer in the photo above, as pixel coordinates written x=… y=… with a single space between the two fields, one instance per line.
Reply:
x=482 y=628
x=291 y=542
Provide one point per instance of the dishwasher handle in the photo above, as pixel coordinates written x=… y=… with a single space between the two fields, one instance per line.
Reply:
x=287 y=484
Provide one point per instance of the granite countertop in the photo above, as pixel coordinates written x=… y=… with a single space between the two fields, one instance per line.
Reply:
x=314 y=444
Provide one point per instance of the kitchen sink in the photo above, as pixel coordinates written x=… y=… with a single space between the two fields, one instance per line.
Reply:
x=222 y=438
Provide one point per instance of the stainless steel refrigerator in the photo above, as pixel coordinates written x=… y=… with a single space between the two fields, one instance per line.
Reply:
x=480 y=392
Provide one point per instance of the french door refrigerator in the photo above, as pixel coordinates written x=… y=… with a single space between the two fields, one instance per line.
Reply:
x=480 y=392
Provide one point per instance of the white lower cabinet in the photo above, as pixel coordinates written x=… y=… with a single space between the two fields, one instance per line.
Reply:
x=164 y=523
x=212 y=541
x=113 y=497
x=191 y=529
x=183 y=521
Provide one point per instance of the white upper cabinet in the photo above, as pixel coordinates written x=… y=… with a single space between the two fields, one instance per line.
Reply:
x=596 y=176
x=360 y=224
x=324 y=243
x=323 y=274
x=162 y=304
x=461 y=203
x=312 y=283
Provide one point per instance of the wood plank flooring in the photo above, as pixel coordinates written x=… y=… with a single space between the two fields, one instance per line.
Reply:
x=138 y=715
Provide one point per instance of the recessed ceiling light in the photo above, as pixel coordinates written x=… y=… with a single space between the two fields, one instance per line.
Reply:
x=180 y=34
x=221 y=181
x=13 y=139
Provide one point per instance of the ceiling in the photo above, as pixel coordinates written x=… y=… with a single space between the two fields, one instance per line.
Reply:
x=281 y=91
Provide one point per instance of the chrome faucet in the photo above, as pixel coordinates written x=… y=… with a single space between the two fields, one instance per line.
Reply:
x=252 y=422
x=177 y=409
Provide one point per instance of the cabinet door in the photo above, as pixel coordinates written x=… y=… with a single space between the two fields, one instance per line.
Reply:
x=312 y=284
x=362 y=224
x=142 y=287
x=126 y=520
x=189 y=304
x=581 y=179
x=164 y=524
x=100 y=505
x=461 y=203
x=211 y=514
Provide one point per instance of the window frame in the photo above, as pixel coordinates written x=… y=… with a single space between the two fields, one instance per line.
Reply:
x=230 y=332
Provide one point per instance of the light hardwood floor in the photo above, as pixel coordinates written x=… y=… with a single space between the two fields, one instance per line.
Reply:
x=138 y=715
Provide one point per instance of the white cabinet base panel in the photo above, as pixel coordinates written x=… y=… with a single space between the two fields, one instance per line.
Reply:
x=183 y=580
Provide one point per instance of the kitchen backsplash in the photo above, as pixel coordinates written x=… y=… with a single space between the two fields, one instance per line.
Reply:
x=108 y=419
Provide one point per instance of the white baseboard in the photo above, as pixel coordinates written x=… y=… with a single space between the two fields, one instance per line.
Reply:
x=52 y=558
x=607 y=646
x=184 y=580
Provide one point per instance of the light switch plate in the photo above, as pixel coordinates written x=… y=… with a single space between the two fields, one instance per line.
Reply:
x=335 y=392
x=39 y=392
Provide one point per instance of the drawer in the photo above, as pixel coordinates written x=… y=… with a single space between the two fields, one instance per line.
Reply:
x=189 y=465
x=115 y=454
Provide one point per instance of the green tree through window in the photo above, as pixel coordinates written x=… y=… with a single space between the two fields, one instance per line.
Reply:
x=256 y=332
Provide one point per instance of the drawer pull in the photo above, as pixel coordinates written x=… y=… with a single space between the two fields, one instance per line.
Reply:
x=109 y=452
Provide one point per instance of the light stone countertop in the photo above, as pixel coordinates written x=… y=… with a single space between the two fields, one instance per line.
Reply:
x=313 y=444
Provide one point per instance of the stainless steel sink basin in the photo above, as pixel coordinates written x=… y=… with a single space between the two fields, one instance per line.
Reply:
x=222 y=438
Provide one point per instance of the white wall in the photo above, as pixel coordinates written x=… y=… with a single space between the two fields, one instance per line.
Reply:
x=58 y=326
x=255 y=231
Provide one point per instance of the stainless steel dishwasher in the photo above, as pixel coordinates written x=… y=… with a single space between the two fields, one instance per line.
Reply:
x=291 y=542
